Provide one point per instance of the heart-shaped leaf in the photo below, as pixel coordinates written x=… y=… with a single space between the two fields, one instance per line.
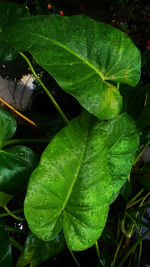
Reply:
x=9 y=14
x=87 y=58
x=77 y=179
x=37 y=251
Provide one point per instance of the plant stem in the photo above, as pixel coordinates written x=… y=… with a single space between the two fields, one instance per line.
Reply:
x=15 y=244
x=117 y=250
x=30 y=140
x=73 y=256
x=136 y=196
x=17 y=112
x=13 y=215
x=132 y=248
x=141 y=153
x=46 y=90
x=97 y=250
x=15 y=211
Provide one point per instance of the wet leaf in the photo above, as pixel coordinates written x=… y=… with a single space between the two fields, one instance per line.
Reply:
x=80 y=173
x=87 y=58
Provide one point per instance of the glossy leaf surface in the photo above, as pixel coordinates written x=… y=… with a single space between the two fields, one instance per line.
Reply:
x=9 y=14
x=87 y=58
x=16 y=166
x=5 y=248
x=37 y=251
x=77 y=177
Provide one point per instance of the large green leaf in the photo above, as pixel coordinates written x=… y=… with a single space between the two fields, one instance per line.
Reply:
x=77 y=178
x=16 y=166
x=37 y=251
x=87 y=58
x=8 y=126
x=5 y=248
x=9 y=14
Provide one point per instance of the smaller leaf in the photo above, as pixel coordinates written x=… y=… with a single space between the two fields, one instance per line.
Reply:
x=37 y=251
x=126 y=190
x=4 y=199
x=108 y=237
x=17 y=164
x=5 y=248
x=8 y=126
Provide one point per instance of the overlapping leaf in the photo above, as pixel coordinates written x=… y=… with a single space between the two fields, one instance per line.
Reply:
x=87 y=58
x=81 y=171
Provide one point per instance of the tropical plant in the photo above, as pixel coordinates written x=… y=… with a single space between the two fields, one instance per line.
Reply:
x=85 y=165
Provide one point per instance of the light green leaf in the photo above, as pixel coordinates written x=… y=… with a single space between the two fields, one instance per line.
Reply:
x=87 y=58
x=75 y=180
x=4 y=199
x=37 y=251
x=8 y=126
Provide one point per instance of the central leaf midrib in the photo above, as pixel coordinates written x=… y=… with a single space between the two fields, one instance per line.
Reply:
x=76 y=176
x=71 y=52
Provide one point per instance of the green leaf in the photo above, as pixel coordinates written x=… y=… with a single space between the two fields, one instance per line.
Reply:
x=37 y=251
x=87 y=58
x=8 y=126
x=76 y=179
x=4 y=199
x=9 y=14
x=16 y=166
x=5 y=249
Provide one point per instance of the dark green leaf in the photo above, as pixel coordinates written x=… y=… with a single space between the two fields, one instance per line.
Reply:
x=126 y=190
x=37 y=251
x=8 y=126
x=16 y=165
x=9 y=14
x=80 y=171
x=87 y=58
x=105 y=258
x=5 y=248
x=108 y=237
x=4 y=199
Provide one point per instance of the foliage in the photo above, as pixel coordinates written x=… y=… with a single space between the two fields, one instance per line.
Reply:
x=87 y=164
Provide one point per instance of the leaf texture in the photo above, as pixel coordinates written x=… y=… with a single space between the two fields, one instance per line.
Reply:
x=76 y=179
x=87 y=58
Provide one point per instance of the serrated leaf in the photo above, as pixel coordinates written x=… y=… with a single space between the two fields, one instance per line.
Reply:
x=37 y=251
x=77 y=177
x=9 y=14
x=87 y=58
